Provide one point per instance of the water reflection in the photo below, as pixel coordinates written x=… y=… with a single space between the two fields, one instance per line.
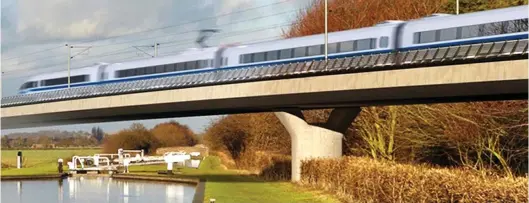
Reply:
x=95 y=189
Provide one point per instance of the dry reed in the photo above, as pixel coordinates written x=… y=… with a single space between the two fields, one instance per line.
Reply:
x=365 y=180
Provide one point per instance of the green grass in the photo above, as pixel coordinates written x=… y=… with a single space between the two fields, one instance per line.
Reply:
x=38 y=162
x=228 y=186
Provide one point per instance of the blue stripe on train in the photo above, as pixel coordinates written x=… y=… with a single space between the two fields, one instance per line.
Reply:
x=331 y=56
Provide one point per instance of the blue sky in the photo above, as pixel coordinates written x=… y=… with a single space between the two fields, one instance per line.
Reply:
x=34 y=33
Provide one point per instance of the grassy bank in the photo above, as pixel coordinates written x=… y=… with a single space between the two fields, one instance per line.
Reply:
x=366 y=180
x=38 y=162
x=230 y=186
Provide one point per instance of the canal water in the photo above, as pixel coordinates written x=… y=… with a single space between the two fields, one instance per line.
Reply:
x=95 y=189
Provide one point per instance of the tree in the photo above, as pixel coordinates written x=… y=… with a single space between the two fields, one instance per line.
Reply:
x=135 y=137
x=98 y=134
x=475 y=134
x=173 y=133
x=5 y=142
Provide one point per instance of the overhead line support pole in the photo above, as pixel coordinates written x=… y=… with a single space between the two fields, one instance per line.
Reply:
x=457 y=7
x=69 y=58
x=70 y=47
x=326 y=34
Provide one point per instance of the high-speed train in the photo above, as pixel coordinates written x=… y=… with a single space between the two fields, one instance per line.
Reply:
x=439 y=30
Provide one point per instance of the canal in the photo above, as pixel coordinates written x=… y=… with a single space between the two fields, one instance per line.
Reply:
x=95 y=189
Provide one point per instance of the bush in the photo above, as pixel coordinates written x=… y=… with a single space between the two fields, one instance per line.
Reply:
x=362 y=179
x=136 y=137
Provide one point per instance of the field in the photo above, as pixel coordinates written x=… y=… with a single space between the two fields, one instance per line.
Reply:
x=38 y=161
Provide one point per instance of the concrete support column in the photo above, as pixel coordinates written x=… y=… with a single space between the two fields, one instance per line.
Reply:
x=309 y=141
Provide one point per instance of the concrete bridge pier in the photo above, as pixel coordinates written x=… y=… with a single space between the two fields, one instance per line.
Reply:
x=316 y=140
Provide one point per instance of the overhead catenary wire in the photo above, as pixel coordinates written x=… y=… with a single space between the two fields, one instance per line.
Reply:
x=185 y=41
x=173 y=34
x=32 y=53
x=155 y=29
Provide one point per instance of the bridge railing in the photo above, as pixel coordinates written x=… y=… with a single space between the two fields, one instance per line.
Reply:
x=373 y=62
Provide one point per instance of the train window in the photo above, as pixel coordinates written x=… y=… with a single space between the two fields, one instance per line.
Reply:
x=448 y=34
x=202 y=63
x=373 y=43
x=299 y=52
x=285 y=54
x=315 y=50
x=258 y=57
x=64 y=80
x=191 y=65
x=170 y=67
x=130 y=72
x=272 y=55
x=28 y=85
x=363 y=44
x=199 y=64
x=247 y=58
x=489 y=29
x=119 y=74
x=416 y=37
x=150 y=70
x=140 y=71
x=160 y=69
x=180 y=66
x=56 y=81
x=384 y=42
x=332 y=48
x=79 y=78
x=427 y=36
x=347 y=46
x=469 y=31
x=516 y=26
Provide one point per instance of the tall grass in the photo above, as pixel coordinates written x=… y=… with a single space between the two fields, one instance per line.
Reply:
x=357 y=179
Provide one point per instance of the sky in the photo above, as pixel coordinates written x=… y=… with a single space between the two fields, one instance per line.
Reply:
x=34 y=34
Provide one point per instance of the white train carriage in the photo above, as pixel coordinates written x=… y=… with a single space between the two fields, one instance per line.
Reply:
x=59 y=80
x=182 y=63
x=119 y=72
x=471 y=28
x=368 y=40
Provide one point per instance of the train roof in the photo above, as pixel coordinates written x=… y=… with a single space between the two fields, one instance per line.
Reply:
x=497 y=14
x=191 y=54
